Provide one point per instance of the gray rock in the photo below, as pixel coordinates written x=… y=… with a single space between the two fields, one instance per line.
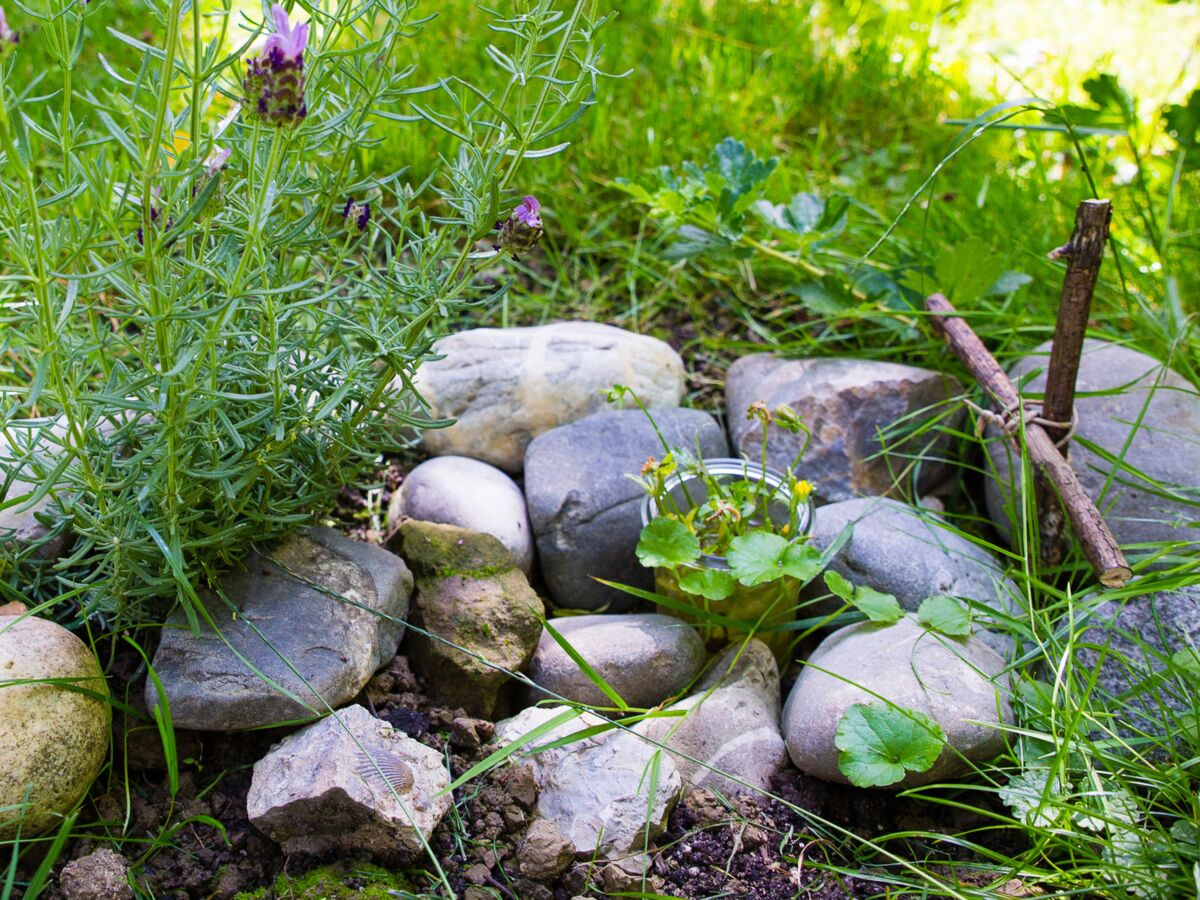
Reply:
x=595 y=791
x=53 y=740
x=586 y=512
x=908 y=552
x=482 y=615
x=349 y=783
x=506 y=386
x=101 y=875
x=1154 y=495
x=456 y=490
x=1129 y=643
x=288 y=604
x=23 y=525
x=644 y=657
x=957 y=683
x=732 y=724
x=848 y=404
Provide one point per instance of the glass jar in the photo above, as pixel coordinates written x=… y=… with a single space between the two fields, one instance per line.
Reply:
x=761 y=608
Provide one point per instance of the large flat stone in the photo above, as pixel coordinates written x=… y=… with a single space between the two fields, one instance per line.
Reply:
x=1136 y=448
x=586 y=511
x=322 y=602
x=503 y=387
x=848 y=404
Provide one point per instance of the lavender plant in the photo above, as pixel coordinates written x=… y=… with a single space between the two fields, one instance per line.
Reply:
x=212 y=309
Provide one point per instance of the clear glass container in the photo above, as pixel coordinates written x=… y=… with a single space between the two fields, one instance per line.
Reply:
x=759 y=608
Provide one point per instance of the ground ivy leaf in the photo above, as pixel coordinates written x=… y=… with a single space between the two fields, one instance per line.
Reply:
x=667 y=542
x=948 y=615
x=1031 y=798
x=839 y=586
x=879 y=743
x=877 y=606
x=712 y=584
x=756 y=557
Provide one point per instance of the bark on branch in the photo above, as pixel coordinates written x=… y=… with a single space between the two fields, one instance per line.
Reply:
x=1097 y=541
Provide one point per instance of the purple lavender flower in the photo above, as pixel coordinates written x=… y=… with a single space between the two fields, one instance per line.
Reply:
x=273 y=88
x=216 y=162
x=155 y=213
x=523 y=229
x=356 y=216
x=7 y=35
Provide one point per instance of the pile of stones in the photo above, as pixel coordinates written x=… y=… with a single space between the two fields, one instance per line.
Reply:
x=525 y=508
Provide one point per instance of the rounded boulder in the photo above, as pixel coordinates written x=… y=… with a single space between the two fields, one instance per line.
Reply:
x=53 y=739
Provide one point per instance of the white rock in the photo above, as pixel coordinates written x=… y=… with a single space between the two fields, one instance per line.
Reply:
x=318 y=790
x=957 y=683
x=732 y=724
x=457 y=490
x=596 y=791
x=506 y=386
x=52 y=740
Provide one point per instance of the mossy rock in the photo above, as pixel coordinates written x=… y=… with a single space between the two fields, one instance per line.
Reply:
x=54 y=731
x=441 y=551
x=341 y=881
x=472 y=596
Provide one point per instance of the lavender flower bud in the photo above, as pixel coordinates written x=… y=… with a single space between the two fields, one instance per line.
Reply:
x=273 y=89
x=216 y=162
x=8 y=37
x=356 y=216
x=155 y=215
x=523 y=229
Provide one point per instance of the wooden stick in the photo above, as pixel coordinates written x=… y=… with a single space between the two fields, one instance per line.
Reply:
x=1083 y=252
x=1099 y=545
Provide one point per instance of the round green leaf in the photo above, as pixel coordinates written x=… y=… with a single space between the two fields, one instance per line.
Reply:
x=712 y=584
x=945 y=614
x=877 y=606
x=667 y=542
x=879 y=743
x=756 y=557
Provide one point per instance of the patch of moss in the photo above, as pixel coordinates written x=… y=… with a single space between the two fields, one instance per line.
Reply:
x=444 y=551
x=340 y=881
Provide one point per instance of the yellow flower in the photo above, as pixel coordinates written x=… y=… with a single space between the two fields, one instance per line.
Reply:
x=802 y=489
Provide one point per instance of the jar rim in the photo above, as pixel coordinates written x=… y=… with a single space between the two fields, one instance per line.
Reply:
x=725 y=465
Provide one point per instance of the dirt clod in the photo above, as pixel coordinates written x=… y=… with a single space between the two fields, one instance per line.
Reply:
x=101 y=875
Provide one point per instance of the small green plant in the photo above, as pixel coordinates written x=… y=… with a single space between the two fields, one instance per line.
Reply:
x=728 y=532
x=880 y=743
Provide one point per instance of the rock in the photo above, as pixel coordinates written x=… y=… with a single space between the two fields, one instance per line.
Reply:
x=586 y=512
x=595 y=790
x=847 y=404
x=22 y=526
x=291 y=596
x=52 y=740
x=908 y=552
x=957 y=683
x=1129 y=642
x=456 y=490
x=101 y=875
x=470 y=594
x=644 y=657
x=317 y=791
x=505 y=386
x=1156 y=492
x=732 y=723
x=545 y=852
